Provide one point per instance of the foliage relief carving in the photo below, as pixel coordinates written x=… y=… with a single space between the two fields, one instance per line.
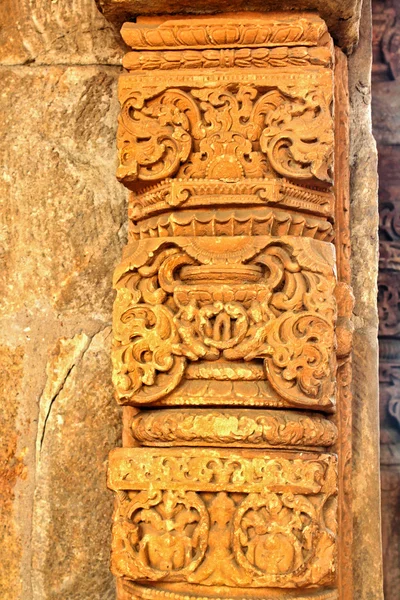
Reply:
x=173 y=309
x=218 y=132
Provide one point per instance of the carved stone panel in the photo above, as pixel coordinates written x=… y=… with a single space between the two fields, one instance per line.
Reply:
x=232 y=328
x=255 y=314
x=215 y=517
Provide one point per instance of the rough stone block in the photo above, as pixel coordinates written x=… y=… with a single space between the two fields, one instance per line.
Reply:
x=56 y=32
x=61 y=234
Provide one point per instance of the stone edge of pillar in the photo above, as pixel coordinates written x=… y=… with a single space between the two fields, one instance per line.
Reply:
x=367 y=547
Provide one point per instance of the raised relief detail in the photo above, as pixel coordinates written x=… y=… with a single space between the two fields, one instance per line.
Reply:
x=248 y=30
x=219 y=299
x=232 y=329
x=389 y=304
x=242 y=58
x=226 y=132
x=233 y=427
x=273 y=525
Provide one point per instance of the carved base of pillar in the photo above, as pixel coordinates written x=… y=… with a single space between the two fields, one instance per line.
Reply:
x=133 y=591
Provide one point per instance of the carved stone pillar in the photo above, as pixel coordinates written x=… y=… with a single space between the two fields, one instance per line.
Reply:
x=232 y=327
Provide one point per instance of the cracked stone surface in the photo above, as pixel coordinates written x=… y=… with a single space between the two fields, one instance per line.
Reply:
x=61 y=235
x=70 y=547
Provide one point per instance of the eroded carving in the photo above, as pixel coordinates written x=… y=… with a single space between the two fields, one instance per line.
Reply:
x=389 y=380
x=258 y=536
x=388 y=304
x=232 y=427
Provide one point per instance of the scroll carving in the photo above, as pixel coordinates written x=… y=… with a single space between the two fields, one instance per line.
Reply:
x=236 y=428
x=229 y=132
x=230 y=305
x=284 y=316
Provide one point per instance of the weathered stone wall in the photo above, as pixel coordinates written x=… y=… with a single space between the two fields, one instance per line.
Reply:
x=63 y=229
x=61 y=236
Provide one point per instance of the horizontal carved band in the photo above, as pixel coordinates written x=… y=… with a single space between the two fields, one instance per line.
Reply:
x=173 y=195
x=255 y=30
x=233 y=428
x=212 y=470
x=218 y=517
x=226 y=390
x=298 y=56
x=251 y=221
x=129 y=590
x=141 y=86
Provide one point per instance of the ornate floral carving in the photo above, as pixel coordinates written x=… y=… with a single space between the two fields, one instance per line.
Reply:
x=242 y=58
x=145 y=336
x=226 y=308
x=155 y=139
x=300 y=365
x=298 y=137
x=215 y=132
x=254 y=533
x=205 y=469
x=178 y=310
x=164 y=534
x=277 y=538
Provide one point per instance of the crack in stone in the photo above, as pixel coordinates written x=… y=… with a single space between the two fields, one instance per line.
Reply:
x=68 y=354
x=49 y=407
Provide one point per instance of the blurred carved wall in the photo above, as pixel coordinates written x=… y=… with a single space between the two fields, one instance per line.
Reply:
x=386 y=123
